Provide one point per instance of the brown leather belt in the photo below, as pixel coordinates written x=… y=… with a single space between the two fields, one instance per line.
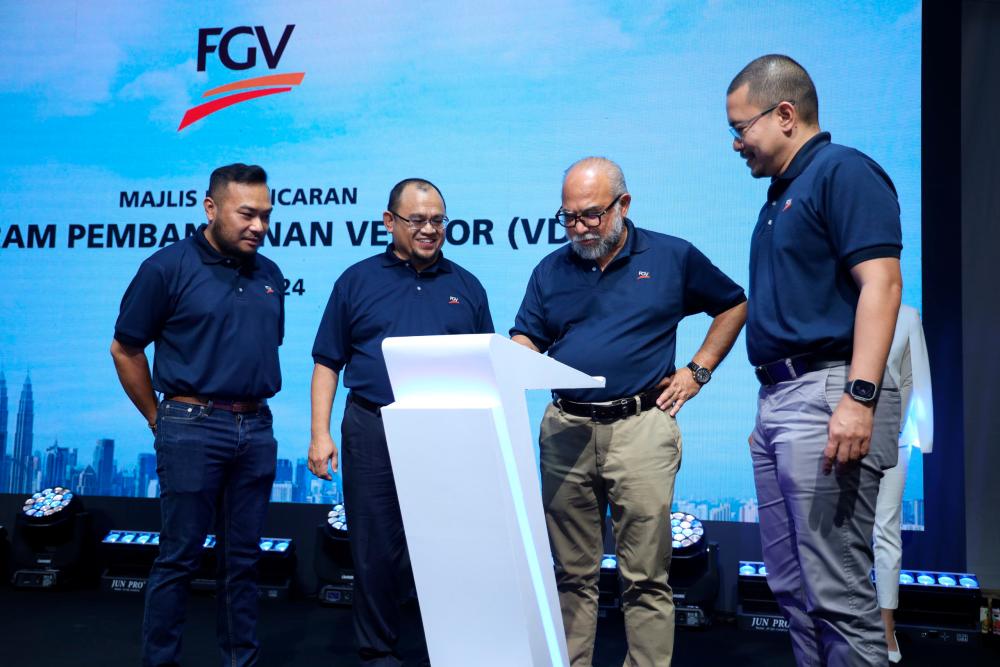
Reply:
x=237 y=407
x=611 y=410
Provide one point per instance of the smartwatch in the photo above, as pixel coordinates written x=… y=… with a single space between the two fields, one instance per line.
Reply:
x=701 y=374
x=862 y=391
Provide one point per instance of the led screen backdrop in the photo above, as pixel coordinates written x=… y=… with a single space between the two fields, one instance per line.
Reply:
x=116 y=112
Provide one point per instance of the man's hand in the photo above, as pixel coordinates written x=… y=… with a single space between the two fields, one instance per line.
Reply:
x=322 y=456
x=677 y=389
x=850 y=433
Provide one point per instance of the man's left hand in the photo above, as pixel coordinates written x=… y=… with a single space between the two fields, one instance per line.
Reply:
x=850 y=433
x=677 y=390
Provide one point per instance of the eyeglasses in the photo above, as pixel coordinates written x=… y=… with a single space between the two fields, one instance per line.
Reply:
x=418 y=222
x=590 y=219
x=739 y=129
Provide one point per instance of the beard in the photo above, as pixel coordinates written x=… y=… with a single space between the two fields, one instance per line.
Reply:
x=604 y=245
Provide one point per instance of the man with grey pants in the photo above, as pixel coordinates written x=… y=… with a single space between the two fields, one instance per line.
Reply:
x=608 y=304
x=825 y=288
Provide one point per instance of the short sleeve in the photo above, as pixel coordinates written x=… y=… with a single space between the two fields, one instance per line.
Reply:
x=484 y=319
x=706 y=288
x=144 y=308
x=862 y=211
x=530 y=319
x=333 y=339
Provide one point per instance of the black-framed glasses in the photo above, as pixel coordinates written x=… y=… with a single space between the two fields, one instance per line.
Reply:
x=590 y=218
x=418 y=221
x=739 y=129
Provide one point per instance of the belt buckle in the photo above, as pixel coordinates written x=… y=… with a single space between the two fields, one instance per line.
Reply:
x=622 y=405
x=791 y=369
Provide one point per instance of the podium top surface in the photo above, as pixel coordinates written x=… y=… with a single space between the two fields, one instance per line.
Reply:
x=471 y=369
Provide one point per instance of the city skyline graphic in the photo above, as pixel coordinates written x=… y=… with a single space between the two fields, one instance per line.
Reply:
x=29 y=470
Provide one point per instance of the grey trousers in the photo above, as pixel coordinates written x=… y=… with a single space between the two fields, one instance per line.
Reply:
x=816 y=528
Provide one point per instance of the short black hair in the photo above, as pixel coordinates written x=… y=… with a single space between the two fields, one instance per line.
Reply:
x=235 y=173
x=420 y=183
x=777 y=78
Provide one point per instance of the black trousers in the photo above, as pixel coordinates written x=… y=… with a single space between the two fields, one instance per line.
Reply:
x=382 y=574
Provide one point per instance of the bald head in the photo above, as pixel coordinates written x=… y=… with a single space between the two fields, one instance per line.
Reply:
x=593 y=169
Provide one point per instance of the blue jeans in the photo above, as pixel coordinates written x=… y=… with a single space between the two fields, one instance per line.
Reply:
x=211 y=464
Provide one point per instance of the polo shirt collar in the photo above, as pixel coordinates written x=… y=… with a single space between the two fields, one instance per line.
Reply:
x=634 y=244
x=804 y=157
x=210 y=255
x=441 y=265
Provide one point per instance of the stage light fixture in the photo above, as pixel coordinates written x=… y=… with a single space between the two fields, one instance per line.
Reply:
x=275 y=569
x=694 y=571
x=128 y=556
x=53 y=543
x=686 y=532
x=756 y=607
x=608 y=586
x=694 y=574
x=939 y=606
x=332 y=560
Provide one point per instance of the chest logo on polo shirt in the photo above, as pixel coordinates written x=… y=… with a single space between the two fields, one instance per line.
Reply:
x=453 y=299
x=644 y=275
x=788 y=205
x=268 y=289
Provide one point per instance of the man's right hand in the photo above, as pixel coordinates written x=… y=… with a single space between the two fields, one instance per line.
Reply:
x=322 y=456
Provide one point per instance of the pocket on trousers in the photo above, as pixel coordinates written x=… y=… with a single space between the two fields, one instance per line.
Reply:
x=832 y=386
x=181 y=413
x=180 y=447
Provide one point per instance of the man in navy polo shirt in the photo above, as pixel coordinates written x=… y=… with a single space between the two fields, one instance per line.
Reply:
x=825 y=288
x=609 y=304
x=214 y=309
x=409 y=290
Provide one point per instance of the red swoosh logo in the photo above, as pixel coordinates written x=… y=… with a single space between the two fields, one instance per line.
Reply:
x=286 y=81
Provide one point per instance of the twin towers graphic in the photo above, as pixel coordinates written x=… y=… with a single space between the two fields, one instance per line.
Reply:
x=15 y=470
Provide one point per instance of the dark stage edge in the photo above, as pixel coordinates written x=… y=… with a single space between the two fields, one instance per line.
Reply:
x=91 y=627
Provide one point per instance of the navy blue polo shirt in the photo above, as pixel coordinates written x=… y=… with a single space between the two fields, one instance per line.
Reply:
x=832 y=209
x=216 y=322
x=384 y=296
x=621 y=323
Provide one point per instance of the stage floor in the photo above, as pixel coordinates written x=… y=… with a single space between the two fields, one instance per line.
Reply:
x=91 y=627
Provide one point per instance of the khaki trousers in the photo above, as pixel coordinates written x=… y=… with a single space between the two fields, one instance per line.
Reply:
x=629 y=465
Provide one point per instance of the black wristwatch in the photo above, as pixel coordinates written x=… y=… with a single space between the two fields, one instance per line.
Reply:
x=862 y=391
x=701 y=374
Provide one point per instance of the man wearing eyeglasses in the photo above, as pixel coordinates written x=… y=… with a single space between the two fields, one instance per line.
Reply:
x=825 y=289
x=409 y=290
x=608 y=304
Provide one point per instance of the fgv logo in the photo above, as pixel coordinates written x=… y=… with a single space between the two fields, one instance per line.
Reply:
x=240 y=57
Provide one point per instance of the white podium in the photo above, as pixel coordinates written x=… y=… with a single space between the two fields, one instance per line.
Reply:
x=463 y=458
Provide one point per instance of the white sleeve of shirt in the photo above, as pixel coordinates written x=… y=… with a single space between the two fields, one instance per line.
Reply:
x=910 y=367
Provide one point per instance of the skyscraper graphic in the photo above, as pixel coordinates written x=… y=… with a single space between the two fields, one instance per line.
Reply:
x=85 y=484
x=24 y=438
x=55 y=471
x=146 y=471
x=104 y=465
x=4 y=482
